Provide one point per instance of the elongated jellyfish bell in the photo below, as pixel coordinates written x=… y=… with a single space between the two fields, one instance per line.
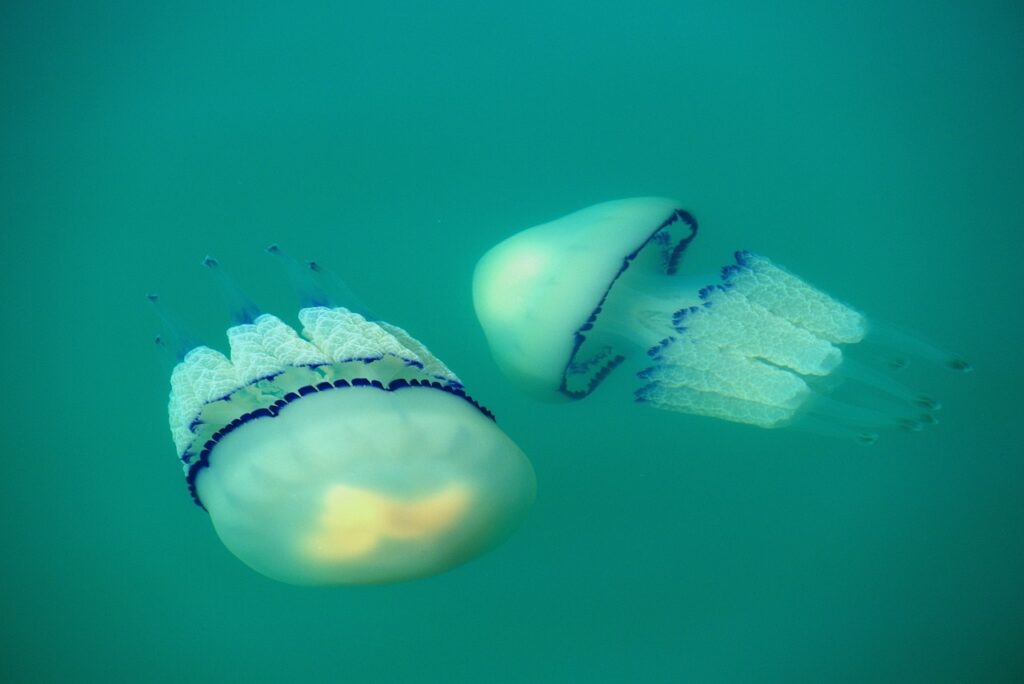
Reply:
x=346 y=453
x=565 y=303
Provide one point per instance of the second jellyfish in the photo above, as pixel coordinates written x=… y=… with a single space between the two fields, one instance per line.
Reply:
x=565 y=303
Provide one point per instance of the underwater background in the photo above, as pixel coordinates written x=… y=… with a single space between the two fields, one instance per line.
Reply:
x=874 y=149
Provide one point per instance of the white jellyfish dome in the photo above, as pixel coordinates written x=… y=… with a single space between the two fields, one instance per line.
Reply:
x=344 y=454
x=564 y=303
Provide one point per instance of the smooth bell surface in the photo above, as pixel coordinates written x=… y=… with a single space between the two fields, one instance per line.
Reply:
x=358 y=485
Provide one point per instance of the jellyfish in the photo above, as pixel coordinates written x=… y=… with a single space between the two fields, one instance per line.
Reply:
x=566 y=303
x=346 y=453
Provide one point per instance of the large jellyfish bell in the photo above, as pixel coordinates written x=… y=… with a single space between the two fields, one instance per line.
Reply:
x=344 y=454
x=563 y=304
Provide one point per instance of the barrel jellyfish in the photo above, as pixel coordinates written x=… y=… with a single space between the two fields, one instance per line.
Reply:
x=563 y=304
x=344 y=454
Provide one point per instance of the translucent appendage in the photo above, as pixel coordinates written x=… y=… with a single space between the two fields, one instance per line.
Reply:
x=765 y=348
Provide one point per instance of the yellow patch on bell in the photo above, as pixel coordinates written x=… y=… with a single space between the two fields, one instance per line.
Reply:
x=354 y=521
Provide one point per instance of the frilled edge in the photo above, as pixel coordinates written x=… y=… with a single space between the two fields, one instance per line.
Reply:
x=196 y=461
x=672 y=237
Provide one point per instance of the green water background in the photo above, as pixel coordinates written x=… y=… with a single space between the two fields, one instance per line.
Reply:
x=876 y=149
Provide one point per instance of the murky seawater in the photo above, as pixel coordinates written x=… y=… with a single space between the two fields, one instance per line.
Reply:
x=876 y=151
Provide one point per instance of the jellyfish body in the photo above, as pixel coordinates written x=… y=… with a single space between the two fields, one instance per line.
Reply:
x=563 y=304
x=347 y=454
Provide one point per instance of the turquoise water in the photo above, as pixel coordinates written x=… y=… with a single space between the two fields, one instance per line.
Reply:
x=875 y=150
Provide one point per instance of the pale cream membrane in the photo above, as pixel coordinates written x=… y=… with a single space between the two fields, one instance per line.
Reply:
x=345 y=454
x=564 y=303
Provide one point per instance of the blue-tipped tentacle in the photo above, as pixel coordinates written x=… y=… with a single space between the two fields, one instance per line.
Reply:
x=340 y=293
x=897 y=347
x=309 y=290
x=879 y=388
x=241 y=308
x=174 y=338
